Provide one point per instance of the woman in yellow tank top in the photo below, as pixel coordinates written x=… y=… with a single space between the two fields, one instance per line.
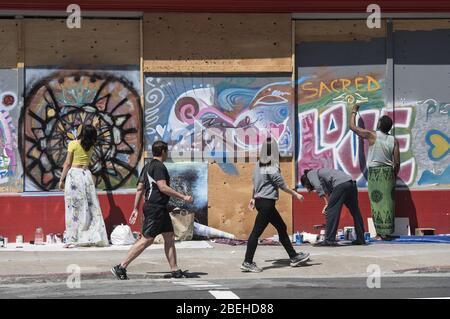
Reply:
x=84 y=220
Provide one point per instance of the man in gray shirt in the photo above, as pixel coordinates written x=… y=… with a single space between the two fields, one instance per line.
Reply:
x=340 y=189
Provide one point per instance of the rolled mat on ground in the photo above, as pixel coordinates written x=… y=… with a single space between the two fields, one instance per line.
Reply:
x=205 y=231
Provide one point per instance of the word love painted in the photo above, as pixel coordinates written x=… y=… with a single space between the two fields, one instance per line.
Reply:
x=326 y=141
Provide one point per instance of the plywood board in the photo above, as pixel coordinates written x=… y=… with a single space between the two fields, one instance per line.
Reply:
x=180 y=42
x=229 y=193
x=9 y=43
x=97 y=42
x=422 y=25
x=336 y=30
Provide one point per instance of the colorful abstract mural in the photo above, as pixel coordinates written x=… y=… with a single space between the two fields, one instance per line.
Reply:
x=11 y=171
x=58 y=102
x=218 y=117
x=190 y=179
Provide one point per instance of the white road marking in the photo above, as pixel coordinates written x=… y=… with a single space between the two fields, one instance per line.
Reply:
x=220 y=294
x=206 y=286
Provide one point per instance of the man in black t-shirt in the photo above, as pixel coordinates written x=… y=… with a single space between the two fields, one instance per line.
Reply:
x=154 y=183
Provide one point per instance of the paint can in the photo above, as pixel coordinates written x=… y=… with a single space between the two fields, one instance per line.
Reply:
x=58 y=238
x=2 y=242
x=367 y=236
x=322 y=235
x=5 y=242
x=19 y=239
x=349 y=233
x=340 y=234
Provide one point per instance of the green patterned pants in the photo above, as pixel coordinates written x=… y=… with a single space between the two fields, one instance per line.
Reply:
x=381 y=187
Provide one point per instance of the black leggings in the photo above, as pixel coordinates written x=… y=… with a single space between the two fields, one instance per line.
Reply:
x=267 y=213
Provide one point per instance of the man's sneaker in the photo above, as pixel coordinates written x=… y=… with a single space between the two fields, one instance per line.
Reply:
x=250 y=267
x=300 y=259
x=359 y=242
x=119 y=272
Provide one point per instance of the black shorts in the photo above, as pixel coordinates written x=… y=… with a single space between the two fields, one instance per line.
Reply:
x=156 y=221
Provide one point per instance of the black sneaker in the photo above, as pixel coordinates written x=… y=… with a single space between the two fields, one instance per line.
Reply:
x=359 y=242
x=119 y=272
x=300 y=259
x=250 y=267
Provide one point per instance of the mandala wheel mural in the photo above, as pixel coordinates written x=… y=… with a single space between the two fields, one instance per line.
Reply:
x=55 y=109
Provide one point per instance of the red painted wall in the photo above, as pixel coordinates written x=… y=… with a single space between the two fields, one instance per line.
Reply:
x=428 y=208
x=22 y=214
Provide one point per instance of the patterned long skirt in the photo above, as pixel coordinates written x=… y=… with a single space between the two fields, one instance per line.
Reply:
x=84 y=220
x=381 y=187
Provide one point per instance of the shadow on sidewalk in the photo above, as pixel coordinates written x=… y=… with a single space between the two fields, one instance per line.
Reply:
x=282 y=263
x=187 y=273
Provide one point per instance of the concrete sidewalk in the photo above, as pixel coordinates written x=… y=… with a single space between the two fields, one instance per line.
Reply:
x=223 y=261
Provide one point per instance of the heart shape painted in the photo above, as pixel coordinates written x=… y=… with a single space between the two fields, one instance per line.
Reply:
x=439 y=144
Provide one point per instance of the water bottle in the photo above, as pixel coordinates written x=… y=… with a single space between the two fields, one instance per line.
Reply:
x=298 y=239
x=39 y=236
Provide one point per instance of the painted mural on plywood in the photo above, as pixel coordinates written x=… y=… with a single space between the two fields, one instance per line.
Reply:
x=11 y=172
x=325 y=98
x=218 y=117
x=58 y=102
x=431 y=142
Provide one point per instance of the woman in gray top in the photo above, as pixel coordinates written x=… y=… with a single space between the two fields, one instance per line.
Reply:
x=383 y=161
x=266 y=182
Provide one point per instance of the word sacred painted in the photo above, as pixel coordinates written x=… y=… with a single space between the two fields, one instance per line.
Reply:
x=313 y=90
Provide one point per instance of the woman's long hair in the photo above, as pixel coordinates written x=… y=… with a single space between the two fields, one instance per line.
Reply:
x=88 y=137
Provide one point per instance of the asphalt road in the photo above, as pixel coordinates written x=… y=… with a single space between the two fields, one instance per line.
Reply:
x=430 y=286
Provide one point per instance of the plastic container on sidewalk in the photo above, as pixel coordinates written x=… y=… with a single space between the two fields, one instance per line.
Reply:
x=298 y=238
x=39 y=236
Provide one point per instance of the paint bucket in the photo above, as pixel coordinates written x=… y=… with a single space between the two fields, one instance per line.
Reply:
x=39 y=236
x=340 y=234
x=349 y=233
x=322 y=235
x=19 y=241
x=2 y=242
x=310 y=238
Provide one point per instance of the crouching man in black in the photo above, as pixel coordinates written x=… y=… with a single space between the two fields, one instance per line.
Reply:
x=340 y=189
